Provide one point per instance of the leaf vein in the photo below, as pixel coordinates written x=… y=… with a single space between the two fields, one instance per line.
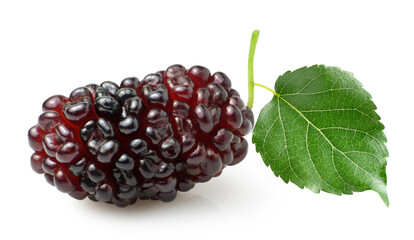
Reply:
x=313 y=79
x=351 y=129
x=284 y=137
x=298 y=73
x=321 y=92
x=324 y=136
x=339 y=109
x=311 y=160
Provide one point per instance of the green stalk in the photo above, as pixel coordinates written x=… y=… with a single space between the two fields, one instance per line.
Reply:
x=268 y=89
x=253 y=42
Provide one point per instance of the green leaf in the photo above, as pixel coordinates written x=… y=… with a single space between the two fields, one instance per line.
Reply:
x=321 y=131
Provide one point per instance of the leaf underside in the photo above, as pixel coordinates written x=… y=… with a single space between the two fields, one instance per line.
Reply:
x=323 y=133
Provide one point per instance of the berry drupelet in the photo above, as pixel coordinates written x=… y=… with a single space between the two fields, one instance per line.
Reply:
x=144 y=139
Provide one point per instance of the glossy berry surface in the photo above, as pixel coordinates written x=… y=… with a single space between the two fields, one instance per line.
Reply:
x=143 y=139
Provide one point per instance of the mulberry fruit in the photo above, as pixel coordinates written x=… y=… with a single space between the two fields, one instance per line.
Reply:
x=143 y=139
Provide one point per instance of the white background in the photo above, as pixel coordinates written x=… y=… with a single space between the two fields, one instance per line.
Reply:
x=52 y=47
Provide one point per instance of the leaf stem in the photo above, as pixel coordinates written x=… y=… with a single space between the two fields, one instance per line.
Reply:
x=253 y=42
x=269 y=89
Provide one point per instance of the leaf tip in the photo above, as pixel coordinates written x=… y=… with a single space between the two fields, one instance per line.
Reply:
x=384 y=197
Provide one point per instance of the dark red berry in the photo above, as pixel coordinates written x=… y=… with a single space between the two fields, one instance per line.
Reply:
x=36 y=162
x=55 y=103
x=63 y=180
x=68 y=152
x=35 y=138
x=143 y=139
x=200 y=75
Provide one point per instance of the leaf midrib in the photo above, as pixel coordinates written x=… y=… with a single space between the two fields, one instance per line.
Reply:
x=324 y=136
